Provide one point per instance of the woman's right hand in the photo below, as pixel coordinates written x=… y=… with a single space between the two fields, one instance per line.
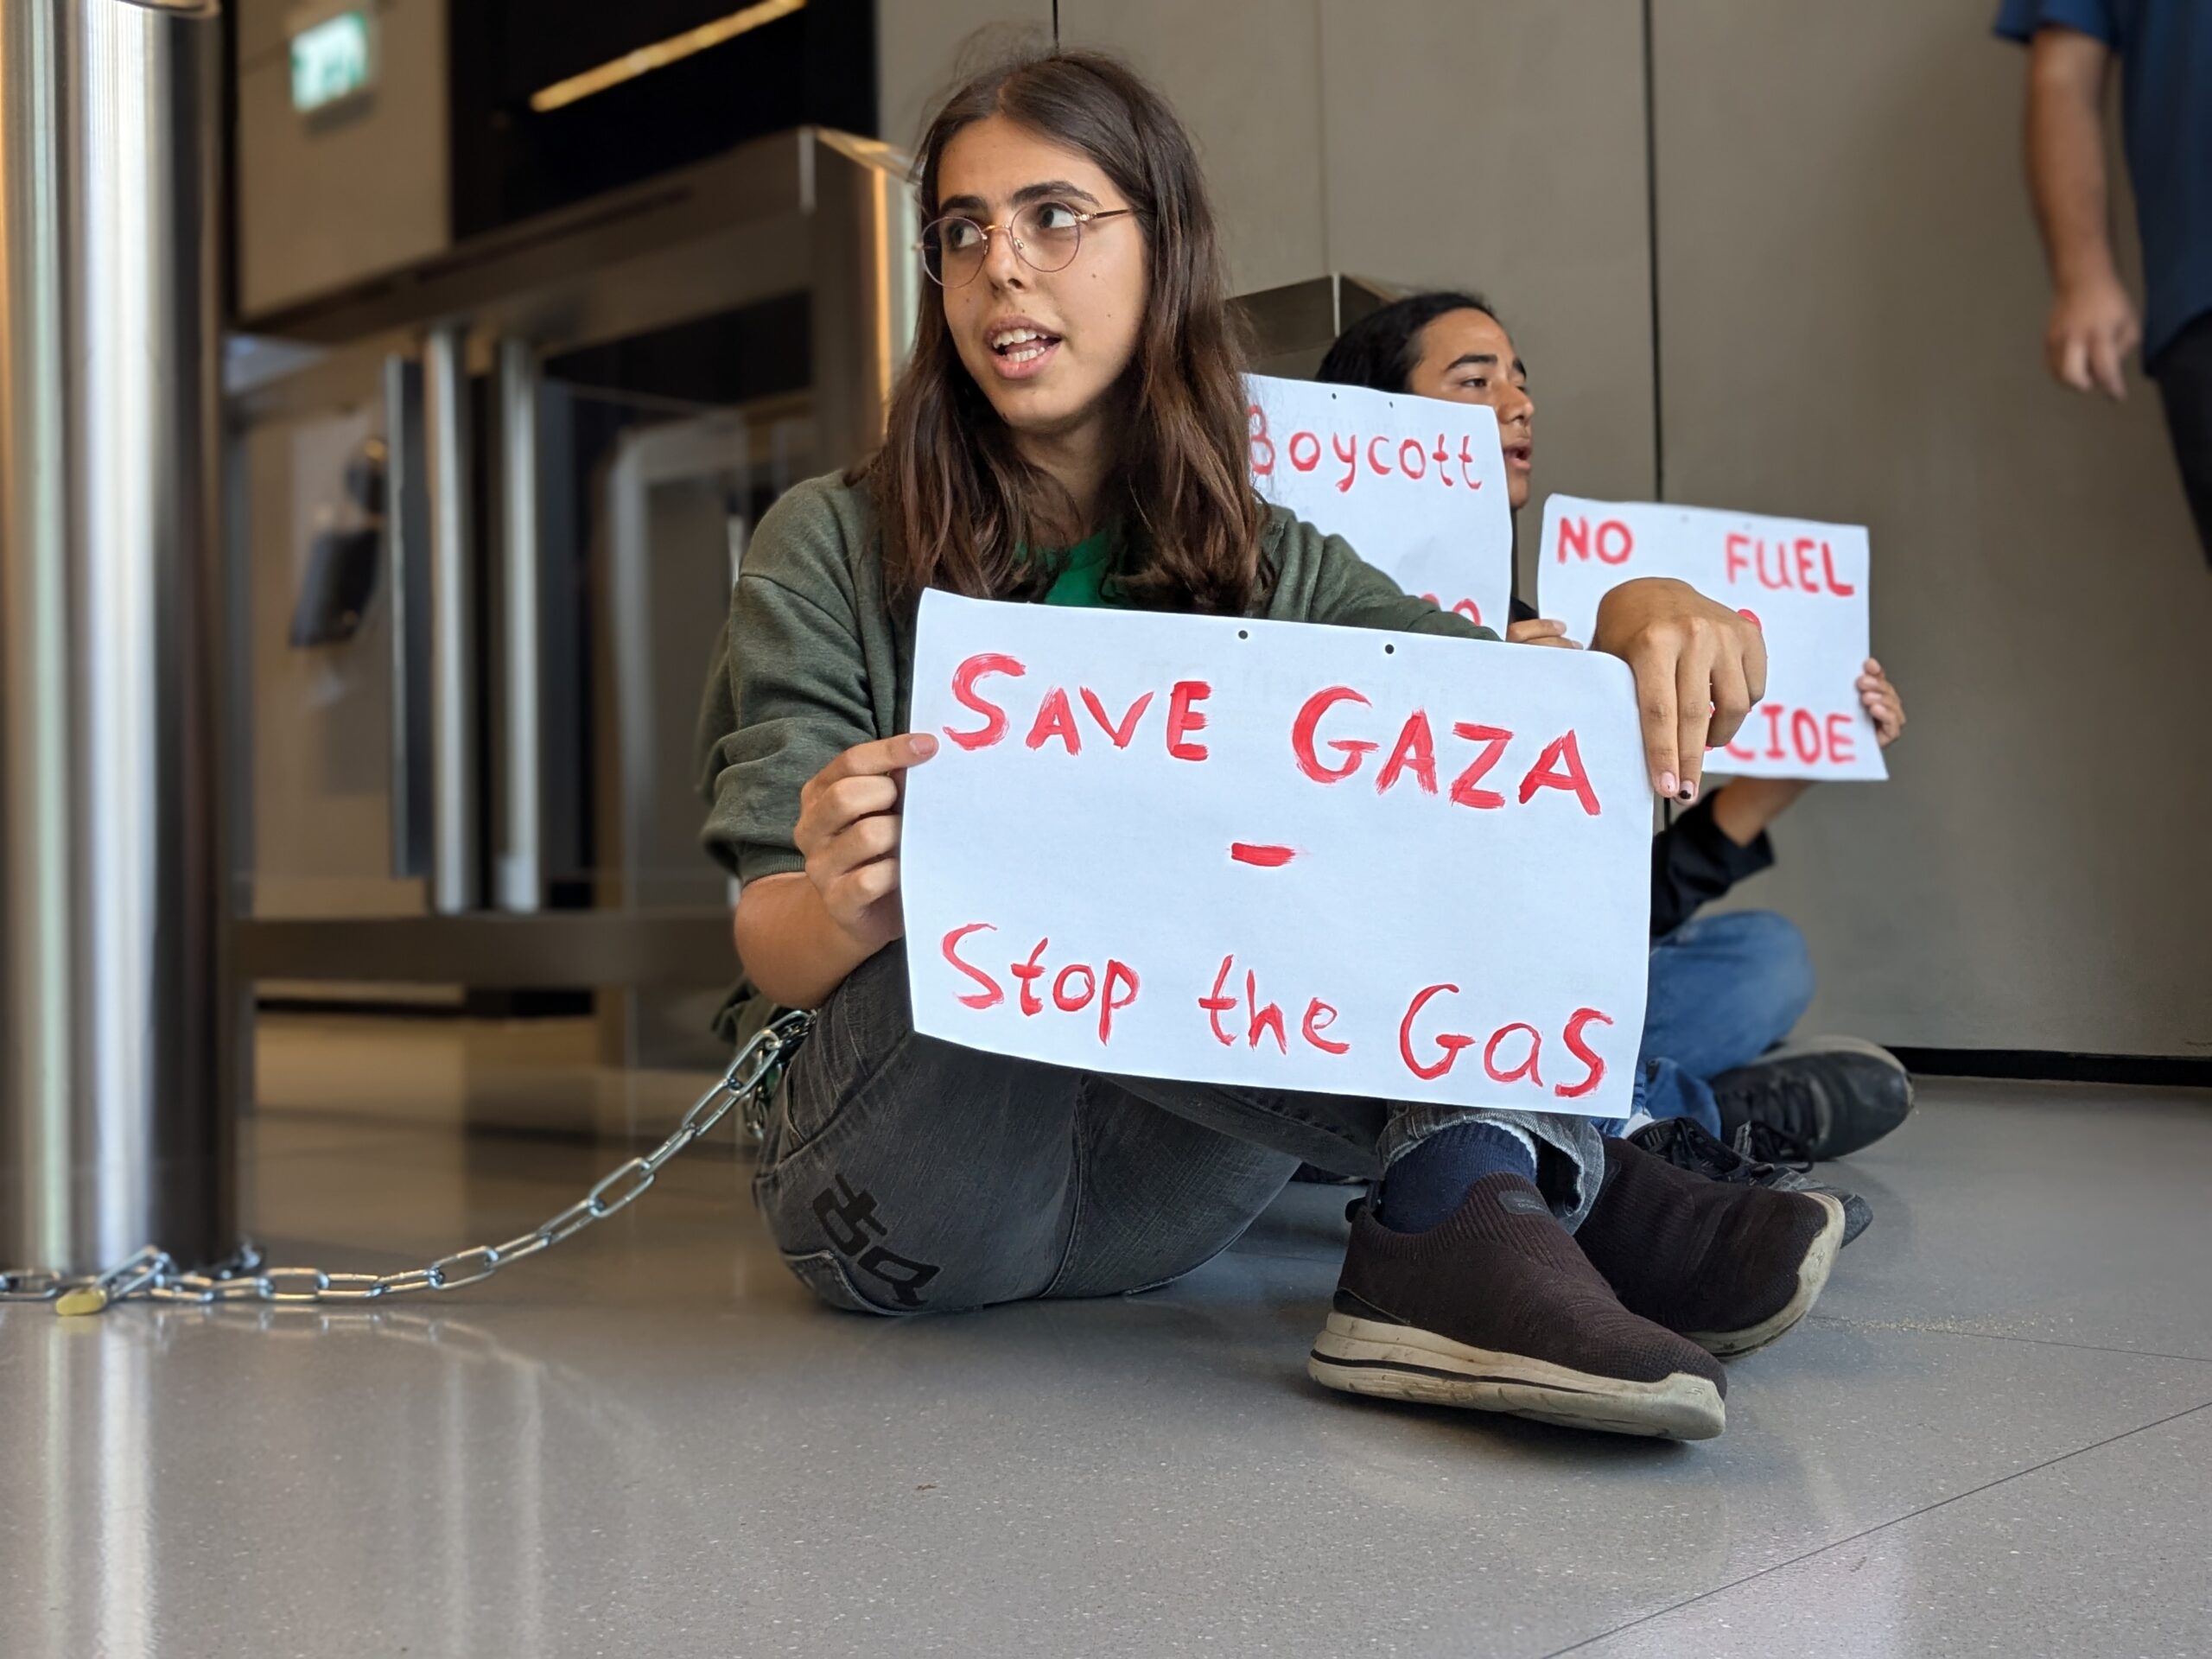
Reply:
x=848 y=830
x=1699 y=666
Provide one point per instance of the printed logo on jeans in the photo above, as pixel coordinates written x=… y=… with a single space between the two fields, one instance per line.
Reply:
x=853 y=1227
x=1523 y=1203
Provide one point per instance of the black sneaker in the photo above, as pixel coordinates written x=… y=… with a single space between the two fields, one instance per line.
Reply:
x=1761 y=1157
x=1831 y=1095
x=1729 y=1265
x=1765 y=1144
x=1792 y=1162
x=1497 y=1309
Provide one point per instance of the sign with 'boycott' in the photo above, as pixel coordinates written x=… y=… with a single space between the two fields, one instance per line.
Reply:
x=1416 y=485
x=1281 y=855
x=1803 y=583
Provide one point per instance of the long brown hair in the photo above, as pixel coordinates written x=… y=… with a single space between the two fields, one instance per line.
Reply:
x=957 y=501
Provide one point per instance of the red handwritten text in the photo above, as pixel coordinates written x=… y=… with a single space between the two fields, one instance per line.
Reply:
x=1797 y=734
x=1056 y=721
x=1073 y=988
x=1409 y=458
x=1264 y=1019
x=1512 y=1053
x=1559 y=765
x=1785 y=564
x=1613 y=540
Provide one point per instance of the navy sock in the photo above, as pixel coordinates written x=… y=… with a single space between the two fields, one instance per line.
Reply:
x=1430 y=1183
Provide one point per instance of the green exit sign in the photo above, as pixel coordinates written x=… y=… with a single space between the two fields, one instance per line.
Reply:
x=332 y=60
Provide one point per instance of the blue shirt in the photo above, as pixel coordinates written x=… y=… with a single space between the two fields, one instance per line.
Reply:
x=2165 y=91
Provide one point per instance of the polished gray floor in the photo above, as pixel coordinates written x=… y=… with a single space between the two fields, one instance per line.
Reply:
x=1995 y=1435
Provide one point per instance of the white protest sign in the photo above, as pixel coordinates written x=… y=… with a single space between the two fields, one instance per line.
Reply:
x=1803 y=583
x=1416 y=485
x=1277 y=854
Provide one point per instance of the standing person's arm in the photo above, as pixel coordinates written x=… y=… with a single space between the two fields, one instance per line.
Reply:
x=2092 y=323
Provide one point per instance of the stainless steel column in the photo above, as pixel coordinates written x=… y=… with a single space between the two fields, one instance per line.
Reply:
x=455 y=850
x=114 y=1006
x=518 y=851
x=866 y=278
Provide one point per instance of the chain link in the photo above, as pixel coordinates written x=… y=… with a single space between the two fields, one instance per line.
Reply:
x=153 y=1275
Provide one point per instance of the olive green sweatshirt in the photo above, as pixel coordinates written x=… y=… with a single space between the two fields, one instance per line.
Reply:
x=812 y=662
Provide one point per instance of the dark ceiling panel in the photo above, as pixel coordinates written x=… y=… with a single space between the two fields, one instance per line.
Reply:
x=816 y=66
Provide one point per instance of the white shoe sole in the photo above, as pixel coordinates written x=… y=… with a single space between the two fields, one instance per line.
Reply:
x=1812 y=1273
x=1400 y=1362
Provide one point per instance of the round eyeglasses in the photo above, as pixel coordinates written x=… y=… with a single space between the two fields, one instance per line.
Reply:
x=1046 y=235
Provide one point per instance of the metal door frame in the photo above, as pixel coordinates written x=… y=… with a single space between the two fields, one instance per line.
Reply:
x=811 y=210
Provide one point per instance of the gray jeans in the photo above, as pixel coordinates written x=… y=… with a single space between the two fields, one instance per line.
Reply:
x=904 y=1175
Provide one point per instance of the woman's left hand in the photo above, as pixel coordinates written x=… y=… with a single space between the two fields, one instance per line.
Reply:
x=1541 y=631
x=1883 y=705
x=1699 y=668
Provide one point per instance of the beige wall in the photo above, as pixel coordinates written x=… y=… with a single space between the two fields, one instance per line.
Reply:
x=1246 y=74
x=1852 y=312
x=1851 y=300
x=1499 y=146
x=917 y=45
x=352 y=190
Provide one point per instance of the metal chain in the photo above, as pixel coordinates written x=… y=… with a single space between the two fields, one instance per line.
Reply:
x=153 y=1275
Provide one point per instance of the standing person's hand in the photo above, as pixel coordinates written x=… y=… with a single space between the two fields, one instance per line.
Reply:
x=1699 y=668
x=1539 y=630
x=2093 y=327
x=848 y=830
x=1883 y=705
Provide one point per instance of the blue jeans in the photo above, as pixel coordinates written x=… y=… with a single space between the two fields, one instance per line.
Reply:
x=1724 y=991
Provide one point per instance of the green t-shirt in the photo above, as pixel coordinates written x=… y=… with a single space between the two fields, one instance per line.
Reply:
x=1089 y=563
